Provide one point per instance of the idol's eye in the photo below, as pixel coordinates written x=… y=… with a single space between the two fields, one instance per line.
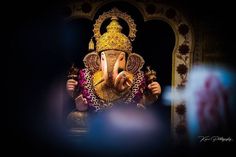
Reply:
x=121 y=59
x=102 y=58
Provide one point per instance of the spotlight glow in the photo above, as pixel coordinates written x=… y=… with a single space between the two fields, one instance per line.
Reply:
x=208 y=97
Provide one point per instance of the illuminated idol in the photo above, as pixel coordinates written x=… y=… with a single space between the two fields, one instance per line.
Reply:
x=112 y=73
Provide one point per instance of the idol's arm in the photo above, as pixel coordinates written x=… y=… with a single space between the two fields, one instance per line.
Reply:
x=152 y=93
x=71 y=86
x=81 y=103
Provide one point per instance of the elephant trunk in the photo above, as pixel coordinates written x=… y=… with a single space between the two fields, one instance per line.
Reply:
x=112 y=70
x=112 y=62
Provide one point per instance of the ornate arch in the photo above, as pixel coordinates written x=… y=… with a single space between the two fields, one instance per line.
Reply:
x=182 y=56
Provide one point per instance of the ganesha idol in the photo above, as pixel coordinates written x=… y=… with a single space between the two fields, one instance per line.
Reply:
x=112 y=75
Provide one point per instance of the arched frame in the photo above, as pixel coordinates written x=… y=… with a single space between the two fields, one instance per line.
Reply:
x=182 y=55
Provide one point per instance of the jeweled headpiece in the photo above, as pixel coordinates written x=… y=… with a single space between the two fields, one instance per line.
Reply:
x=114 y=39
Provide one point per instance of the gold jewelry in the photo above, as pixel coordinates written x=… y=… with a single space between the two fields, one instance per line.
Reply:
x=113 y=38
x=104 y=92
x=91 y=45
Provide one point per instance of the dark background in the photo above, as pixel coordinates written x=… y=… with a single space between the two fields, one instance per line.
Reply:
x=42 y=47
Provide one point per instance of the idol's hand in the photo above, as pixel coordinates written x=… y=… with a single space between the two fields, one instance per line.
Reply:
x=70 y=86
x=81 y=103
x=123 y=81
x=155 y=88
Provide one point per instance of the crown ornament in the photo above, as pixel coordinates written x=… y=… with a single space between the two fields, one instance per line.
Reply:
x=114 y=39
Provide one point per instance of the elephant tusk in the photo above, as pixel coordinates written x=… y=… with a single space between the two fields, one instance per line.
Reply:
x=128 y=84
x=125 y=77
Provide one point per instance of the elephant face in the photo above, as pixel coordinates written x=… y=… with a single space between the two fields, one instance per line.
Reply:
x=112 y=62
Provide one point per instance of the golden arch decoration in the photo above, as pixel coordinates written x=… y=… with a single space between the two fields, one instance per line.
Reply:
x=182 y=55
x=118 y=13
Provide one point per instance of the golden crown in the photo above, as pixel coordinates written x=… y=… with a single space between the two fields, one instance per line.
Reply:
x=114 y=39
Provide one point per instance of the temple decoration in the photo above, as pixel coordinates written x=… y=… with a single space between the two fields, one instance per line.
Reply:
x=112 y=74
x=182 y=56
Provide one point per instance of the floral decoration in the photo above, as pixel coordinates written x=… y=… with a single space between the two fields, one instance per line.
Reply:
x=183 y=29
x=181 y=109
x=182 y=69
x=183 y=49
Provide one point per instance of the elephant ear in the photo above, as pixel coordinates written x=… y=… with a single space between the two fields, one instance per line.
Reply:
x=134 y=63
x=92 y=61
